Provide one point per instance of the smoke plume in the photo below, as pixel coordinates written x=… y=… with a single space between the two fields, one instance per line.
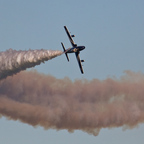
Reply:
x=43 y=100
x=12 y=61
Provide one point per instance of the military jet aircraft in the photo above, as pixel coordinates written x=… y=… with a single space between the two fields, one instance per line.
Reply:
x=74 y=49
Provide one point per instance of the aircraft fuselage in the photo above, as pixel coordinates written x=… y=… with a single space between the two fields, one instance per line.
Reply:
x=76 y=49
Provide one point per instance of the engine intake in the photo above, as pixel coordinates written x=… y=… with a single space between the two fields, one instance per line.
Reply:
x=82 y=60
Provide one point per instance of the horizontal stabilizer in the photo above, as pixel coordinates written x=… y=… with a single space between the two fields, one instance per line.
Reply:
x=65 y=51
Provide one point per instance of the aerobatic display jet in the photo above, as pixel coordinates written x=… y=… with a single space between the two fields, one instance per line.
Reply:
x=74 y=49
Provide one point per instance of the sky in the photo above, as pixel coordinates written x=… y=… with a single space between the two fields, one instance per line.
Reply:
x=112 y=32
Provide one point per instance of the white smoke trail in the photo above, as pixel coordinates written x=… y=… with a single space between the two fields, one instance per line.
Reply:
x=62 y=104
x=12 y=61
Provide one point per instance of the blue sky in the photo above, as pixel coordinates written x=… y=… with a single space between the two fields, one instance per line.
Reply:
x=112 y=32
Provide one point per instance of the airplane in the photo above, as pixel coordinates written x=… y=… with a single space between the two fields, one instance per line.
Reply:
x=75 y=49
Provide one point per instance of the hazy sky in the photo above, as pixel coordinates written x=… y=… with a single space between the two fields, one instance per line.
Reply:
x=113 y=33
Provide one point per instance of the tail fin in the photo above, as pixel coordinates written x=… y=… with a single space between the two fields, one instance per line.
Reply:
x=65 y=51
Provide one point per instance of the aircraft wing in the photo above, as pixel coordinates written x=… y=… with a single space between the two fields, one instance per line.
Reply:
x=70 y=37
x=79 y=62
